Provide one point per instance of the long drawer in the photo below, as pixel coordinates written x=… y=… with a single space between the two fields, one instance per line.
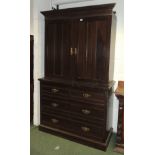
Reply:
x=87 y=95
x=79 y=95
x=54 y=90
x=77 y=127
x=85 y=110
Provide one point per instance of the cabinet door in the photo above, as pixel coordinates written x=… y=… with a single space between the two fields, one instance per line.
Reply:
x=92 y=50
x=57 y=49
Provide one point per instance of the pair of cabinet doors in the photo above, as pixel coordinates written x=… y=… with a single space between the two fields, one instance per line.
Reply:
x=77 y=48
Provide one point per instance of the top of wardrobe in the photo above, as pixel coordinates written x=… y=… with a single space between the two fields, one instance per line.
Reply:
x=86 y=11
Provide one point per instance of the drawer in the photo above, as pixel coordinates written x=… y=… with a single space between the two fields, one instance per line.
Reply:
x=88 y=95
x=53 y=90
x=85 y=110
x=76 y=127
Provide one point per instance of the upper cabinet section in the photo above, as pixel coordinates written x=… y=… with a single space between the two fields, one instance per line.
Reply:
x=77 y=43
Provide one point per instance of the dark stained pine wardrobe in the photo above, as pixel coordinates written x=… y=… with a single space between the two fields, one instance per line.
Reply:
x=77 y=85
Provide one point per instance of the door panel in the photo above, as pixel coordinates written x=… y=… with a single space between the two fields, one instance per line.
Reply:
x=80 y=41
x=91 y=50
x=57 y=55
x=101 y=51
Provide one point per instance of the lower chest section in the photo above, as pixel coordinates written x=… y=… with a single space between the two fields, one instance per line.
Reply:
x=78 y=112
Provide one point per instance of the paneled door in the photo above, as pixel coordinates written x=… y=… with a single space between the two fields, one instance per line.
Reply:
x=58 y=49
x=90 y=49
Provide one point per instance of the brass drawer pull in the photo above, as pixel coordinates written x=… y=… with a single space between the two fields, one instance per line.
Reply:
x=85 y=129
x=86 y=95
x=54 y=105
x=54 y=120
x=54 y=90
x=85 y=111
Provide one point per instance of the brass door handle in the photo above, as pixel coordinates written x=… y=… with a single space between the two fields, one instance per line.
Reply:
x=54 y=105
x=85 y=129
x=86 y=95
x=71 y=51
x=85 y=111
x=75 y=52
x=54 y=90
x=54 y=120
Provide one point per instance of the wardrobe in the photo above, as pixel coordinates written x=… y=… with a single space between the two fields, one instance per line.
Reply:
x=78 y=80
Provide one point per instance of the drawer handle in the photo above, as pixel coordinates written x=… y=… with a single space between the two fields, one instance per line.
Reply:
x=85 y=111
x=85 y=129
x=54 y=105
x=54 y=90
x=86 y=95
x=54 y=120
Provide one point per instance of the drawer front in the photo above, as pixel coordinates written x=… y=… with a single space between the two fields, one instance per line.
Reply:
x=88 y=95
x=53 y=90
x=85 y=110
x=76 y=127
